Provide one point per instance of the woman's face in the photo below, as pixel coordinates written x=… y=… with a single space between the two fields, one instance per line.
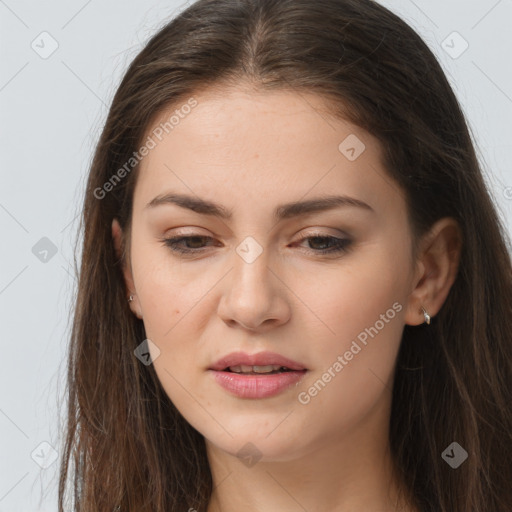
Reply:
x=263 y=279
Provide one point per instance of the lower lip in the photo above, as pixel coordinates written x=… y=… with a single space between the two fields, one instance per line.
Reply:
x=257 y=386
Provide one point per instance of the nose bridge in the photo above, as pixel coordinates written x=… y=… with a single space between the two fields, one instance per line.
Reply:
x=251 y=273
x=252 y=295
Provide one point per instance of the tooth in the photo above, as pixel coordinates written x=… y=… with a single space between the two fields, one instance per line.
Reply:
x=265 y=369
x=255 y=369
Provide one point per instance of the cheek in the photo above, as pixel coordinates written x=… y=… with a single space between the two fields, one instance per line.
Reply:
x=170 y=299
x=165 y=289
x=352 y=296
x=168 y=314
x=362 y=312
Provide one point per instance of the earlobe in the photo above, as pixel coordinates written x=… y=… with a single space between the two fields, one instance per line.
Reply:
x=438 y=263
x=117 y=239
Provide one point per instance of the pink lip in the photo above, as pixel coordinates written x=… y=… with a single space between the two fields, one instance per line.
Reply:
x=256 y=386
x=259 y=359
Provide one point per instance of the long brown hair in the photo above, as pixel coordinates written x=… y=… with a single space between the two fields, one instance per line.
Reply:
x=127 y=447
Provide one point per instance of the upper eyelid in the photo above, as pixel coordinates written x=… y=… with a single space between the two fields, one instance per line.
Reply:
x=314 y=234
x=324 y=230
x=342 y=245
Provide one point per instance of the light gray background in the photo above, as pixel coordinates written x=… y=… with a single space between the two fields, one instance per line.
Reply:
x=52 y=110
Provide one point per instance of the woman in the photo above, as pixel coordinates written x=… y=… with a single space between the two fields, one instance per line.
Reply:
x=295 y=291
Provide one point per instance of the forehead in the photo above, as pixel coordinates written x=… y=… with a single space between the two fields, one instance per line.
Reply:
x=251 y=144
x=238 y=113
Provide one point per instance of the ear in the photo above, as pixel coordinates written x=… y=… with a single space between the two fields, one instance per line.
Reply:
x=437 y=266
x=117 y=237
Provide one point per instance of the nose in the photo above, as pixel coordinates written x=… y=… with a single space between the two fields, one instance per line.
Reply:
x=254 y=297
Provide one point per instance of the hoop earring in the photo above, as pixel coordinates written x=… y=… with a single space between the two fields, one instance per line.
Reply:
x=426 y=315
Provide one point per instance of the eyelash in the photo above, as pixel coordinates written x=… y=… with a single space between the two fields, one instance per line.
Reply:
x=342 y=245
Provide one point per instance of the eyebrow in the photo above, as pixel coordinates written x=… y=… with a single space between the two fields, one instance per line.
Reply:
x=281 y=212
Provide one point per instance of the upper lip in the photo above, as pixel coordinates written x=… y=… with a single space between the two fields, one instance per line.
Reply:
x=259 y=359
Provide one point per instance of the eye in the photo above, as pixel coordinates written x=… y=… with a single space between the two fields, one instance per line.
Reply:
x=335 y=245
x=174 y=243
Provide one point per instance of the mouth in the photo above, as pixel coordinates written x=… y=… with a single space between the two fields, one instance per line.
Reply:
x=269 y=369
x=259 y=375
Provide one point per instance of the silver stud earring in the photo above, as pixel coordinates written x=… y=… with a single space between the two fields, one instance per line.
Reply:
x=426 y=315
x=130 y=298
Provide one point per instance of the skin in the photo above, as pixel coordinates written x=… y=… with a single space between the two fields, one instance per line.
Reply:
x=251 y=151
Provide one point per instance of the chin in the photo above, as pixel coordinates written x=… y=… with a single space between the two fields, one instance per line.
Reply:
x=255 y=444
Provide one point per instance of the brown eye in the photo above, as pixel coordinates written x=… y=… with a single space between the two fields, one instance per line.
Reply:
x=195 y=241
x=334 y=245
x=319 y=244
